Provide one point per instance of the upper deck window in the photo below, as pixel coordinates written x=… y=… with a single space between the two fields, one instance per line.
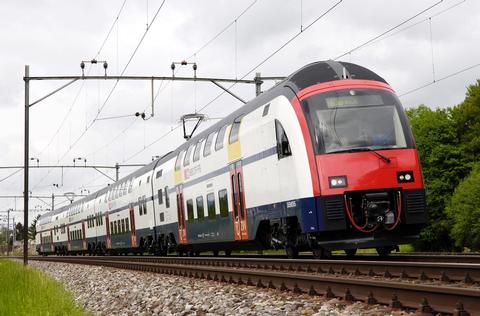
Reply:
x=220 y=137
x=196 y=153
x=178 y=162
x=188 y=156
x=234 y=131
x=208 y=145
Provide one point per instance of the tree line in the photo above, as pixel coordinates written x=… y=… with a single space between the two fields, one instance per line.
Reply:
x=448 y=142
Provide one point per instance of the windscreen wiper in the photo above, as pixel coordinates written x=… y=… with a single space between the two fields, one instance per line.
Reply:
x=358 y=149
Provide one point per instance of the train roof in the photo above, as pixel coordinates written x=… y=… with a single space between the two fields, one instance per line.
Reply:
x=311 y=74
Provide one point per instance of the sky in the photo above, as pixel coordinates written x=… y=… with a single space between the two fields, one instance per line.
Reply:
x=226 y=39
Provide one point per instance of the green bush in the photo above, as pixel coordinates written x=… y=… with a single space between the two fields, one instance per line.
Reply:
x=464 y=211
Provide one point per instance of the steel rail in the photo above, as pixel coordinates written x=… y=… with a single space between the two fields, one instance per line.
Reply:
x=398 y=295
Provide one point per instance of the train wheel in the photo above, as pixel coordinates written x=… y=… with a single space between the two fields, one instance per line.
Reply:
x=228 y=253
x=215 y=253
x=350 y=252
x=321 y=253
x=292 y=252
x=384 y=251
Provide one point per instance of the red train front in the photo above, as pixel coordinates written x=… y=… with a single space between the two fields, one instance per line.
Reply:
x=364 y=166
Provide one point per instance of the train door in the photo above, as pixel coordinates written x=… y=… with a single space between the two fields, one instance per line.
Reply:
x=182 y=226
x=132 y=227
x=240 y=225
x=108 y=233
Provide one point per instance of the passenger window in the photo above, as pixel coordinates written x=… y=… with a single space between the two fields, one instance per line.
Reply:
x=196 y=153
x=234 y=130
x=159 y=174
x=127 y=225
x=211 y=205
x=123 y=226
x=167 y=199
x=140 y=206
x=283 y=145
x=178 y=162
x=200 y=208
x=190 y=210
x=130 y=186
x=186 y=161
x=223 y=202
x=144 y=199
x=111 y=228
x=162 y=217
x=265 y=110
x=148 y=179
x=160 y=197
x=220 y=138
x=208 y=145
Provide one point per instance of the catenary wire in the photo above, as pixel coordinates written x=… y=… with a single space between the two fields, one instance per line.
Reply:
x=389 y=30
x=246 y=74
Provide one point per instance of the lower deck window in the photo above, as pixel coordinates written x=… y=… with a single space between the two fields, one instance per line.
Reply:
x=223 y=202
x=211 y=205
x=190 y=210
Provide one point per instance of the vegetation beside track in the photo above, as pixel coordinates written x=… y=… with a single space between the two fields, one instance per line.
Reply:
x=25 y=291
x=448 y=142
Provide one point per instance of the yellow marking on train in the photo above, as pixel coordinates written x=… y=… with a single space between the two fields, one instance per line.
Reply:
x=234 y=151
x=178 y=176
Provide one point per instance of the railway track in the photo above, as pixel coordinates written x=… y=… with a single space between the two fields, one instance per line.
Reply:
x=427 y=287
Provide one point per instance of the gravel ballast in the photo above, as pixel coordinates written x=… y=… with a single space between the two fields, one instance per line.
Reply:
x=108 y=291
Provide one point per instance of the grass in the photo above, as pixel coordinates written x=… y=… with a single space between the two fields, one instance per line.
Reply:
x=25 y=291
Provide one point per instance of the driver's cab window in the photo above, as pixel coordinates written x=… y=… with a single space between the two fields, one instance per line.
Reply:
x=283 y=145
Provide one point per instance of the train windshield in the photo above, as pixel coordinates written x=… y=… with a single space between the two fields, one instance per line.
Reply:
x=355 y=119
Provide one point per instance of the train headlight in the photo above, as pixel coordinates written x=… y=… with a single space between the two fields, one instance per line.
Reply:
x=337 y=182
x=405 y=176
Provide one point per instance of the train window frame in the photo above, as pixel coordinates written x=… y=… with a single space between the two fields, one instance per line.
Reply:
x=167 y=198
x=220 y=137
x=160 y=196
x=283 y=144
x=127 y=225
x=148 y=179
x=266 y=109
x=235 y=130
x=222 y=202
x=200 y=208
x=211 y=207
x=162 y=216
x=197 y=151
x=188 y=154
x=207 y=149
x=158 y=174
x=178 y=162
x=190 y=211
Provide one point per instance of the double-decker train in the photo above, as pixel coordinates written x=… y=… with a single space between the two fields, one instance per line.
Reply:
x=324 y=160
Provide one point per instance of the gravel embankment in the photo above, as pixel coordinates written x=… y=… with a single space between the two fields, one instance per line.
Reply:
x=107 y=291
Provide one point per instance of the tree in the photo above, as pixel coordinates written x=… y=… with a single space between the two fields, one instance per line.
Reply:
x=467 y=118
x=32 y=229
x=444 y=163
x=464 y=211
x=19 y=231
